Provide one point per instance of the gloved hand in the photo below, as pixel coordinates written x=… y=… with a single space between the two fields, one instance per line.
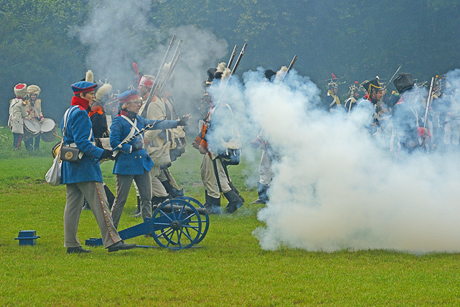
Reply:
x=137 y=146
x=106 y=154
x=184 y=119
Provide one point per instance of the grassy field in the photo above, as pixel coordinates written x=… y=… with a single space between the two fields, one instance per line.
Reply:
x=228 y=268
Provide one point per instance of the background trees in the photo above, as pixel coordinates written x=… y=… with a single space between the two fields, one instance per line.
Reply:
x=355 y=40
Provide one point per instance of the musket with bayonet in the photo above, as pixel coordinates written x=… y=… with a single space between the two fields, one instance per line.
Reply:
x=149 y=126
x=233 y=70
x=232 y=56
x=428 y=101
x=156 y=83
x=391 y=79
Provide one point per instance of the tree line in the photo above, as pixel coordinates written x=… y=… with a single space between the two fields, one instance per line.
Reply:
x=355 y=40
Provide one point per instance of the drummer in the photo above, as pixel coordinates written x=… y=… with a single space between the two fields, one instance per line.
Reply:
x=34 y=110
x=17 y=113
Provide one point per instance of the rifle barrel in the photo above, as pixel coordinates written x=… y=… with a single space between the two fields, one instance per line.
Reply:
x=155 y=85
x=232 y=56
x=239 y=58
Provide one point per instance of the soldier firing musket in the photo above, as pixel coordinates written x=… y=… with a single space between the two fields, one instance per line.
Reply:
x=219 y=143
x=154 y=88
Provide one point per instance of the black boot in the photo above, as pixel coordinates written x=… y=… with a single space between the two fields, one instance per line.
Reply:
x=138 y=209
x=236 y=191
x=262 y=190
x=212 y=205
x=110 y=196
x=234 y=201
x=157 y=201
x=173 y=192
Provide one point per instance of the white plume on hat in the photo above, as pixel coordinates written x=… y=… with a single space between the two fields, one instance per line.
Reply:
x=105 y=89
x=89 y=76
x=20 y=90
x=281 y=73
x=221 y=67
x=33 y=89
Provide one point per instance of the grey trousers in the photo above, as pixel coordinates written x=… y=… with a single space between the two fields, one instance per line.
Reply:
x=208 y=176
x=158 y=189
x=265 y=168
x=123 y=186
x=95 y=195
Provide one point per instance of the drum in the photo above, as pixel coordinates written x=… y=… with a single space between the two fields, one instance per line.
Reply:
x=48 y=130
x=31 y=128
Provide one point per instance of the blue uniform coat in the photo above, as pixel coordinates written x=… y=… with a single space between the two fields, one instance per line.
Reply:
x=128 y=162
x=78 y=129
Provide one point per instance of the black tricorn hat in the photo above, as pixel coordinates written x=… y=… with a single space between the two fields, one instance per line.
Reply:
x=269 y=74
x=404 y=82
x=370 y=85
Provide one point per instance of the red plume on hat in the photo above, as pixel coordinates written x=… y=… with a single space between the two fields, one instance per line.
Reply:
x=136 y=70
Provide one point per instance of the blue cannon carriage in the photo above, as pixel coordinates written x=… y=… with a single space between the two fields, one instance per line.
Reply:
x=175 y=224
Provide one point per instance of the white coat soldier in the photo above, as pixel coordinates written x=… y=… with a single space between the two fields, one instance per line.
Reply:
x=217 y=129
x=83 y=179
x=408 y=116
x=17 y=113
x=350 y=103
x=34 y=110
x=331 y=100
x=268 y=155
x=133 y=162
x=159 y=143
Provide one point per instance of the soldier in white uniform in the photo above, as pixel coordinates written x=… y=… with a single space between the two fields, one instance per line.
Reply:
x=34 y=107
x=18 y=111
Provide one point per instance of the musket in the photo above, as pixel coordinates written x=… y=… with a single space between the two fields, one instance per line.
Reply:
x=428 y=101
x=232 y=72
x=170 y=71
x=117 y=149
x=391 y=79
x=232 y=56
x=239 y=58
x=290 y=66
x=155 y=86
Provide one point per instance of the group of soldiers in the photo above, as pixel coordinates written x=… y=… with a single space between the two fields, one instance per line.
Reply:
x=412 y=118
x=142 y=128
x=26 y=106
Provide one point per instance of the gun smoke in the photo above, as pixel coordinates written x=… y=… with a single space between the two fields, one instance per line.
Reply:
x=336 y=187
x=119 y=33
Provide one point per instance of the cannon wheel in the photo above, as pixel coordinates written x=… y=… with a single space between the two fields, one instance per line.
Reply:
x=204 y=218
x=176 y=228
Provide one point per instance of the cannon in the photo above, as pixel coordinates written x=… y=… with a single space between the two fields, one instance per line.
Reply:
x=175 y=224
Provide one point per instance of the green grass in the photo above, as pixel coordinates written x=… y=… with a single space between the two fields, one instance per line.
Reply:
x=228 y=268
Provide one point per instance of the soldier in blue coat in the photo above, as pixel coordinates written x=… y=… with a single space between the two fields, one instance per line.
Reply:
x=132 y=161
x=84 y=179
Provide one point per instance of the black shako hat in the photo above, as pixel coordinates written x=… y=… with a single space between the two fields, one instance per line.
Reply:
x=373 y=84
x=404 y=82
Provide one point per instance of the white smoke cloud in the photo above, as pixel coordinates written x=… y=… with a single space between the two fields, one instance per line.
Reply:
x=118 y=33
x=336 y=188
